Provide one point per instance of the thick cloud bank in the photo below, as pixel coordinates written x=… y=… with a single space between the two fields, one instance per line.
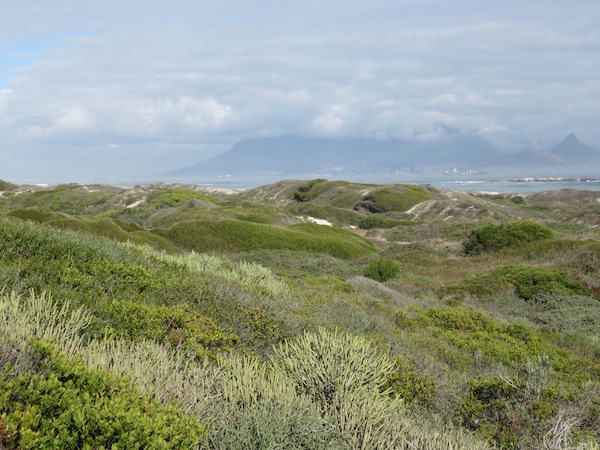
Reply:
x=109 y=87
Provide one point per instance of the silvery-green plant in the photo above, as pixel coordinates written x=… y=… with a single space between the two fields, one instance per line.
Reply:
x=259 y=408
x=39 y=316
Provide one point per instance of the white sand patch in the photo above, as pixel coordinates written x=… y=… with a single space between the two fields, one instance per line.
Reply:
x=315 y=220
x=134 y=204
x=421 y=208
x=225 y=191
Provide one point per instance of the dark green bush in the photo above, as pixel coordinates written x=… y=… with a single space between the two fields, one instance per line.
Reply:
x=488 y=409
x=68 y=406
x=530 y=281
x=168 y=198
x=398 y=198
x=382 y=270
x=409 y=384
x=495 y=237
x=301 y=195
x=527 y=281
x=178 y=326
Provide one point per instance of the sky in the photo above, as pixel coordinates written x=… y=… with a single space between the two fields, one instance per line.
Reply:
x=112 y=89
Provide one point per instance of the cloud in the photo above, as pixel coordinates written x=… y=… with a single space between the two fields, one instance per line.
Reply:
x=191 y=78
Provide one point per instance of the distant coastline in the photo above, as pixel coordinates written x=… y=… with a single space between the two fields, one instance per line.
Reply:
x=515 y=185
x=555 y=180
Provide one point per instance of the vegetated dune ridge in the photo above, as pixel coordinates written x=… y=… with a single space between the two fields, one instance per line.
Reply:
x=174 y=316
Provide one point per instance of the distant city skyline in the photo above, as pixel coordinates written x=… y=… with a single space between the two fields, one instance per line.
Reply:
x=116 y=89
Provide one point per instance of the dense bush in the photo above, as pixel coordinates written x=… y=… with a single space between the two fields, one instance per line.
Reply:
x=68 y=406
x=382 y=270
x=530 y=281
x=68 y=198
x=527 y=281
x=397 y=198
x=409 y=384
x=177 y=326
x=301 y=194
x=495 y=237
x=168 y=198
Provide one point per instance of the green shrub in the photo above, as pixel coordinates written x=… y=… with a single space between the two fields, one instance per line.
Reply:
x=302 y=193
x=397 y=198
x=495 y=237
x=67 y=198
x=68 y=406
x=527 y=281
x=409 y=384
x=171 y=197
x=36 y=215
x=6 y=186
x=530 y=281
x=488 y=409
x=177 y=326
x=382 y=270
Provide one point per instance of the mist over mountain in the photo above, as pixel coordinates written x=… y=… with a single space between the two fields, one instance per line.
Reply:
x=305 y=155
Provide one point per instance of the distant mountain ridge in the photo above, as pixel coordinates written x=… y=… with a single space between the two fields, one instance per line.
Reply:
x=303 y=155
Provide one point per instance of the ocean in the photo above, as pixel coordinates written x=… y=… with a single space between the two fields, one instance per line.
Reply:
x=523 y=186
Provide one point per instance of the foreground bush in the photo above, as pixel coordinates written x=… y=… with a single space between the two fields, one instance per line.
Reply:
x=495 y=237
x=344 y=374
x=257 y=408
x=68 y=406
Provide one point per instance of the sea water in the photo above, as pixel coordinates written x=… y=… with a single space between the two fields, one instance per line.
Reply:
x=523 y=186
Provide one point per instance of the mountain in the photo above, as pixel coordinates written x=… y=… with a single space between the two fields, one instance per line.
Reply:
x=297 y=155
x=572 y=150
x=533 y=158
x=289 y=155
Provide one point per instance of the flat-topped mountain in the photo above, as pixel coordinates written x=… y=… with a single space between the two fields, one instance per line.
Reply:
x=296 y=155
x=286 y=155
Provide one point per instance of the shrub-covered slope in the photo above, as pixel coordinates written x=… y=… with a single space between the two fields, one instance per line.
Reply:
x=254 y=331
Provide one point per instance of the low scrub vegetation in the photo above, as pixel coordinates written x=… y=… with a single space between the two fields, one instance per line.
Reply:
x=495 y=237
x=370 y=222
x=165 y=317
